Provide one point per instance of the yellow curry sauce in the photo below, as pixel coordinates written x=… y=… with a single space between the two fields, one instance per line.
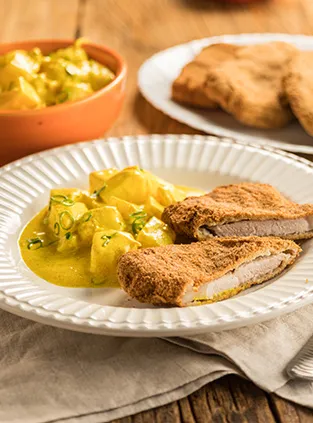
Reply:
x=31 y=80
x=78 y=238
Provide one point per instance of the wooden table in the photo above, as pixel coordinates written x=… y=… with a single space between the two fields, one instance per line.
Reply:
x=137 y=29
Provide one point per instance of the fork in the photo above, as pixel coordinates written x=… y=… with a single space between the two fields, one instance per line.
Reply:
x=301 y=366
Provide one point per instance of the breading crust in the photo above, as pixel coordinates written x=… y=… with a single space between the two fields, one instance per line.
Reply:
x=231 y=203
x=161 y=275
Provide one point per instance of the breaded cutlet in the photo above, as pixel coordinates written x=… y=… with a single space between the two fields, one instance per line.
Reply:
x=188 y=87
x=206 y=271
x=240 y=210
x=250 y=86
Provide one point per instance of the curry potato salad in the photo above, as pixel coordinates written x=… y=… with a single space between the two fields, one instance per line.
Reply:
x=32 y=80
x=78 y=238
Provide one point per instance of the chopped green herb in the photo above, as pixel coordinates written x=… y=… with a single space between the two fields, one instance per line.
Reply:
x=61 y=199
x=107 y=239
x=137 y=226
x=34 y=243
x=68 y=235
x=58 y=198
x=87 y=217
x=96 y=193
x=66 y=225
x=56 y=228
x=140 y=213
x=68 y=202
x=139 y=221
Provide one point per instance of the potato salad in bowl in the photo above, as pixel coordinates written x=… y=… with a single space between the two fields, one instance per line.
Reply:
x=33 y=80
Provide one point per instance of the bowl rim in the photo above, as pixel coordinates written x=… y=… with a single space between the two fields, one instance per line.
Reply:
x=120 y=75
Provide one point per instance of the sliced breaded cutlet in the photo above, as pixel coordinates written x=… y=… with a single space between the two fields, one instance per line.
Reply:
x=203 y=272
x=245 y=209
x=188 y=87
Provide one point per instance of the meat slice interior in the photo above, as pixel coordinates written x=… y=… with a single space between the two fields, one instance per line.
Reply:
x=246 y=273
x=271 y=227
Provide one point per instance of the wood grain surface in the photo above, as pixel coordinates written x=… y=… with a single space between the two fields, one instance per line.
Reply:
x=138 y=29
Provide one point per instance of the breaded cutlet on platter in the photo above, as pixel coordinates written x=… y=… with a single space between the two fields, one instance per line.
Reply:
x=188 y=87
x=203 y=272
x=247 y=209
x=250 y=87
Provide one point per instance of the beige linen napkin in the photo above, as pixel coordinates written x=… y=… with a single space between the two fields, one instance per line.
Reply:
x=50 y=375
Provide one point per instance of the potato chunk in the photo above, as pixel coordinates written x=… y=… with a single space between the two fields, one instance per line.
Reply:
x=154 y=208
x=68 y=243
x=155 y=233
x=17 y=64
x=130 y=184
x=168 y=194
x=98 y=179
x=62 y=219
x=106 y=217
x=21 y=96
x=107 y=247
x=124 y=207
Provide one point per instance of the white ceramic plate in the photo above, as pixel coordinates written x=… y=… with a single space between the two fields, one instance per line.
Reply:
x=203 y=162
x=157 y=74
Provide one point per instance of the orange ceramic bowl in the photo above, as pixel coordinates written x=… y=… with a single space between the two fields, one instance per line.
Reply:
x=28 y=131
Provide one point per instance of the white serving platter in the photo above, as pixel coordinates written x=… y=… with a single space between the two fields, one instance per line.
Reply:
x=157 y=74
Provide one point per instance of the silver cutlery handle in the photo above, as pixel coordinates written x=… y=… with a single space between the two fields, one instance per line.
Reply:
x=301 y=366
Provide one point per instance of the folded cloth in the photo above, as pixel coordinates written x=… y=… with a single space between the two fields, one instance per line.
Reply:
x=50 y=375
x=263 y=351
